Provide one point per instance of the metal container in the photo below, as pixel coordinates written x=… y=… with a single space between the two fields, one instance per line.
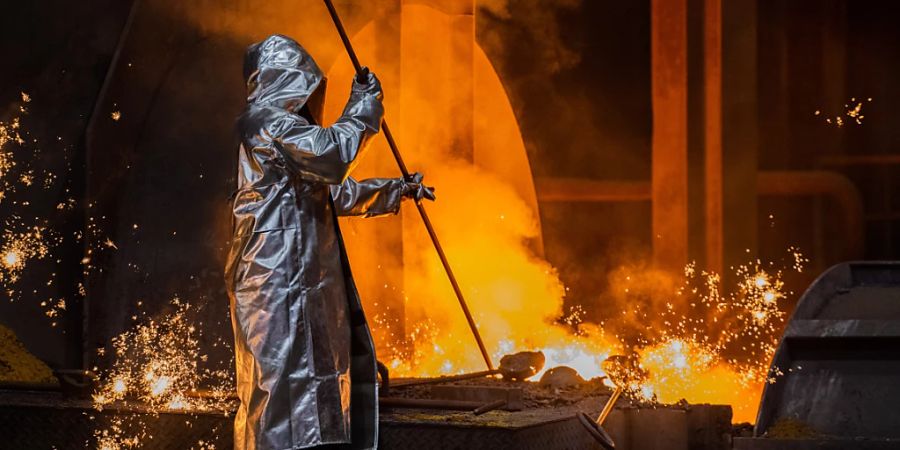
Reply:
x=837 y=368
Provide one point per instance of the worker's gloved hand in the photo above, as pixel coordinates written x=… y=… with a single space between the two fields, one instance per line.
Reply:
x=366 y=82
x=414 y=189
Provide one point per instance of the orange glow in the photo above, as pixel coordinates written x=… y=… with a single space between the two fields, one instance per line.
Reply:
x=761 y=281
x=685 y=370
x=159 y=385
x=119 y=386
x=468 y=145
x=11 y=258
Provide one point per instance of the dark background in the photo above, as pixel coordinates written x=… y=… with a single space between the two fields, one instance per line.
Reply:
x=578 y=77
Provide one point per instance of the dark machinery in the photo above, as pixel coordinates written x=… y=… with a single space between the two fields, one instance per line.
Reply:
x=837 y=370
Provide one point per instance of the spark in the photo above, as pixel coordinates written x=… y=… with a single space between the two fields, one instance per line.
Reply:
x=17 y=249
x=852 y=110
x=158 y=364
x=176 y=403
x=759 y=316
x=11 y=259
x=119 y=386
x=761 y=280
x=678 y=348
x=159 y=386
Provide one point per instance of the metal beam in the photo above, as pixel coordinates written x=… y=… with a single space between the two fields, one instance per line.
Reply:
x=712 y=135
x=668 y=55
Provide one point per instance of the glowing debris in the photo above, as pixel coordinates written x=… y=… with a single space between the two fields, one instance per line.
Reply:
x=761 y=280
x=852 y=110
x=25 y=238
x=11 y=259
x=118 y=386
x=115 y=115
x=159 y=365
x=8 y=133
x=17 y=249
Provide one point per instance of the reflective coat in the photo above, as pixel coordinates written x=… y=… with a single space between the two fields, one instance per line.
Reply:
x=306 y=372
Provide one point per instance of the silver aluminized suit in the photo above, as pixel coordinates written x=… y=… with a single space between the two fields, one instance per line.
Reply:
x=306 y=371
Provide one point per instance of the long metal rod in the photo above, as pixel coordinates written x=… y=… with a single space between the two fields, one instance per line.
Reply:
x=446 y=379
x=488 y=407
x=434 y=239
x=609 y=405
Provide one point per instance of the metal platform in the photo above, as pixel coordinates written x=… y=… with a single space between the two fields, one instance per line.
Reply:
x=813 y=444
x=422 y=430
x=46 y=420
x=701 y=427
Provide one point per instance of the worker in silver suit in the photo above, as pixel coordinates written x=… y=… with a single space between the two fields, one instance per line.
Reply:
x=306 y=369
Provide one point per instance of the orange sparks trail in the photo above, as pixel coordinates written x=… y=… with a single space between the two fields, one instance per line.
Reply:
x=159 y=365
x=16 y=249
x=852 y=110
x=24 y=238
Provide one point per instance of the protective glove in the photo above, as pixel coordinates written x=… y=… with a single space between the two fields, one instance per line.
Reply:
x=414 y=189
x=366 y=82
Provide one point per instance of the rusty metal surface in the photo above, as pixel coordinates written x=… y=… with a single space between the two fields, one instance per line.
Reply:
x=565 y=433
x=405 y=382
x=495 y=405
x=484 y=394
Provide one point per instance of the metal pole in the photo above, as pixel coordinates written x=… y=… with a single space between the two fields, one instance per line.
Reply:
x=434 y=239
x=446 y=379
x=609 y=405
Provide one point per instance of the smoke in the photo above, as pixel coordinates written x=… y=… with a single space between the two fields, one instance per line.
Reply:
x=307 y=21
x=535 y=24
x=486 y=223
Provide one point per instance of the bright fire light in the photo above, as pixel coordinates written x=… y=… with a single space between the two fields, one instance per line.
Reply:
x=118 y=386
x=761 y=280
x=11 y=259
x=680 y=349
x=159 y=386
